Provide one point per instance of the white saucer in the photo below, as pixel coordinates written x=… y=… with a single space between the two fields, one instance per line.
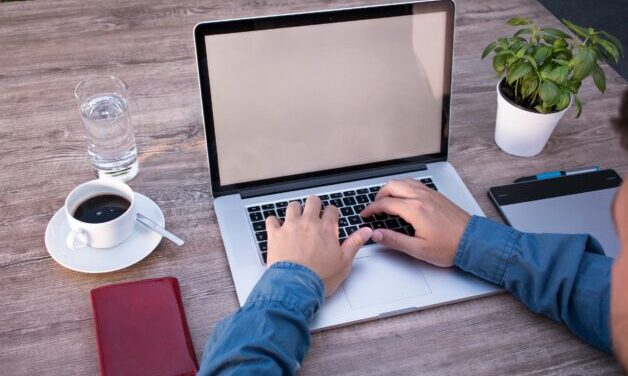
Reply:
x=91 y=260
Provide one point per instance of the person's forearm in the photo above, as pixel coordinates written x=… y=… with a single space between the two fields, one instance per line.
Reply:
x=270 y=333
x=565 y=277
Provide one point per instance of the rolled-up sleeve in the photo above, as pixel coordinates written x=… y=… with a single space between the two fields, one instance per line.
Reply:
x=270 y=334
x=565 y=277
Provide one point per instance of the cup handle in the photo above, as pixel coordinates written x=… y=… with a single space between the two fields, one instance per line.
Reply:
x=77 y=239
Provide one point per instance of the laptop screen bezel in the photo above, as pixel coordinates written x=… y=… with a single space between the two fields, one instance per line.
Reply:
x=316 y=18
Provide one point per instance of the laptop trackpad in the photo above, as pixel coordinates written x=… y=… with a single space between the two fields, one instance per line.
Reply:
x=384 y=278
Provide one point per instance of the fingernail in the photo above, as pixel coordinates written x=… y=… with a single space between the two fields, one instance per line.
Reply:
x=377 y=236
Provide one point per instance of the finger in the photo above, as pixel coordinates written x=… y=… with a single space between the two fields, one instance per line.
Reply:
x=330 y=213
x=272 y=224
x=398 y=188
x=389 y=205
x=355 y=241
x=393 y=239
x=312 y=207
x=293 y=211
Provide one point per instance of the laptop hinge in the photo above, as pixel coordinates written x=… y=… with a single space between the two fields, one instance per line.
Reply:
x=330 y=179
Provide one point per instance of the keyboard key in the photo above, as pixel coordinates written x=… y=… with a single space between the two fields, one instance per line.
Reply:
x=372 y=196
x=324 y=197
x=349 y=201
x=369 y=219
x=362 y=199
x=257 y=216
x=281 y=213
x=362 y=191
x=391 y=223
x=268 y=213
x=261 y=236
x=341 y=240
x=259 y=226
x=336 y=195
x=348 y=193
x=402 y=222
x=253 y=209
x=351 y=229
x=381 y=216
x=426 y=180
x=410 y=230
x=263 y=246
x=346 y=211
x=355 y=220
x=432 y=186
x=336 y=202
x=282 y=204
x=264 y=257
x=268 y=207
x=369 y=242
x=342 y=222
x=374 y=189
x=358 y=208
x=325 y=203
x=364 y=225
x=378 y=224
x=342 y=233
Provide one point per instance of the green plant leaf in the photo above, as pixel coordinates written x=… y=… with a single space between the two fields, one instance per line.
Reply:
x=539 y=108
x=489 y=49
x=521 y=52
x=563 y=100
x=599 y=78
x=541 y=54
x=576 y=100
x=613 y=40
x=517 y=71
x=518 y=21
x=556 y=33
x=561 y=62
x=559 y=74
x=522 y=32
x=548 y=93
x=583 y=62
x=578 y=30
x=499 y=63
x=529 y=84
x=610 y=48
x=573 y=85
x=560 y=43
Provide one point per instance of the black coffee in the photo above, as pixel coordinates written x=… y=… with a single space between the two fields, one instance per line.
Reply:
x=103 y=208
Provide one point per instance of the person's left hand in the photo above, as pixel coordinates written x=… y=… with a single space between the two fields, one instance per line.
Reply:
x=310 y=238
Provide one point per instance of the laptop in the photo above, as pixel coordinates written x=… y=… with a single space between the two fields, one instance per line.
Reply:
x=333 y=104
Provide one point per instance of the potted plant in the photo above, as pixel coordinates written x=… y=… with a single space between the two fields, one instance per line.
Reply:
x=542 y=70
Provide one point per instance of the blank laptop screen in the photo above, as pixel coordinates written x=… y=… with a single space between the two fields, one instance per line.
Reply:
x=303 y=99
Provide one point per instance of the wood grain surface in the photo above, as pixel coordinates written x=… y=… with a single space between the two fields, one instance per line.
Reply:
x=46 y=326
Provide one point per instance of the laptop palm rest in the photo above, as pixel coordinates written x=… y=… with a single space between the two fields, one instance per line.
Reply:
x=384 y=277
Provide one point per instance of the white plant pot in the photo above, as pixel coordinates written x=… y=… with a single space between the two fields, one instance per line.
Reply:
x=522 y=132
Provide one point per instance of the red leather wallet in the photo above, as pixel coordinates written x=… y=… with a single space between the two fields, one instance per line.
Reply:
x=141 y=329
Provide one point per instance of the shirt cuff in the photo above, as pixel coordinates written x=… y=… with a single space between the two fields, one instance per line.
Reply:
x=485 y=249
x=292 y=286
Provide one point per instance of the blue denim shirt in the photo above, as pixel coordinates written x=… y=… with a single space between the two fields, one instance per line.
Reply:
x=564 y=277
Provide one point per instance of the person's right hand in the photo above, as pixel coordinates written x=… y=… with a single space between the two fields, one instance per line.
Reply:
x=438 y=223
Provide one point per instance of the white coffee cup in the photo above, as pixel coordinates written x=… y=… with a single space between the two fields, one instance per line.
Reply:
x=99 y=235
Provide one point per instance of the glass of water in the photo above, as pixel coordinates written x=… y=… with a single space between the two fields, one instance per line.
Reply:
x=103 y=102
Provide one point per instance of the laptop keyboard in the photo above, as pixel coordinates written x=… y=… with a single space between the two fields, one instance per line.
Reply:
x=349 y=203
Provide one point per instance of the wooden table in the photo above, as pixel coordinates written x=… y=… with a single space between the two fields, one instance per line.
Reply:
x=46 y=324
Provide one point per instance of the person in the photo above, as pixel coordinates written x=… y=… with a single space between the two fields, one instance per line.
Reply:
x=564 y=277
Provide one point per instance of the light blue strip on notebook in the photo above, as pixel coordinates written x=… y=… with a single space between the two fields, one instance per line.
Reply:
x=548 y=175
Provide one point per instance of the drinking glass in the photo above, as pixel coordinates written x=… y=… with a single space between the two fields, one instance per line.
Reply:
x=103 y=103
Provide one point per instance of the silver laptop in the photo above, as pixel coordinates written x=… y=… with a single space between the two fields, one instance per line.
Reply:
x=333 y=104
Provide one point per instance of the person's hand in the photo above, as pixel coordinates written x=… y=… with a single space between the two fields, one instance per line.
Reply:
x=438 y=223
x=310 y=238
